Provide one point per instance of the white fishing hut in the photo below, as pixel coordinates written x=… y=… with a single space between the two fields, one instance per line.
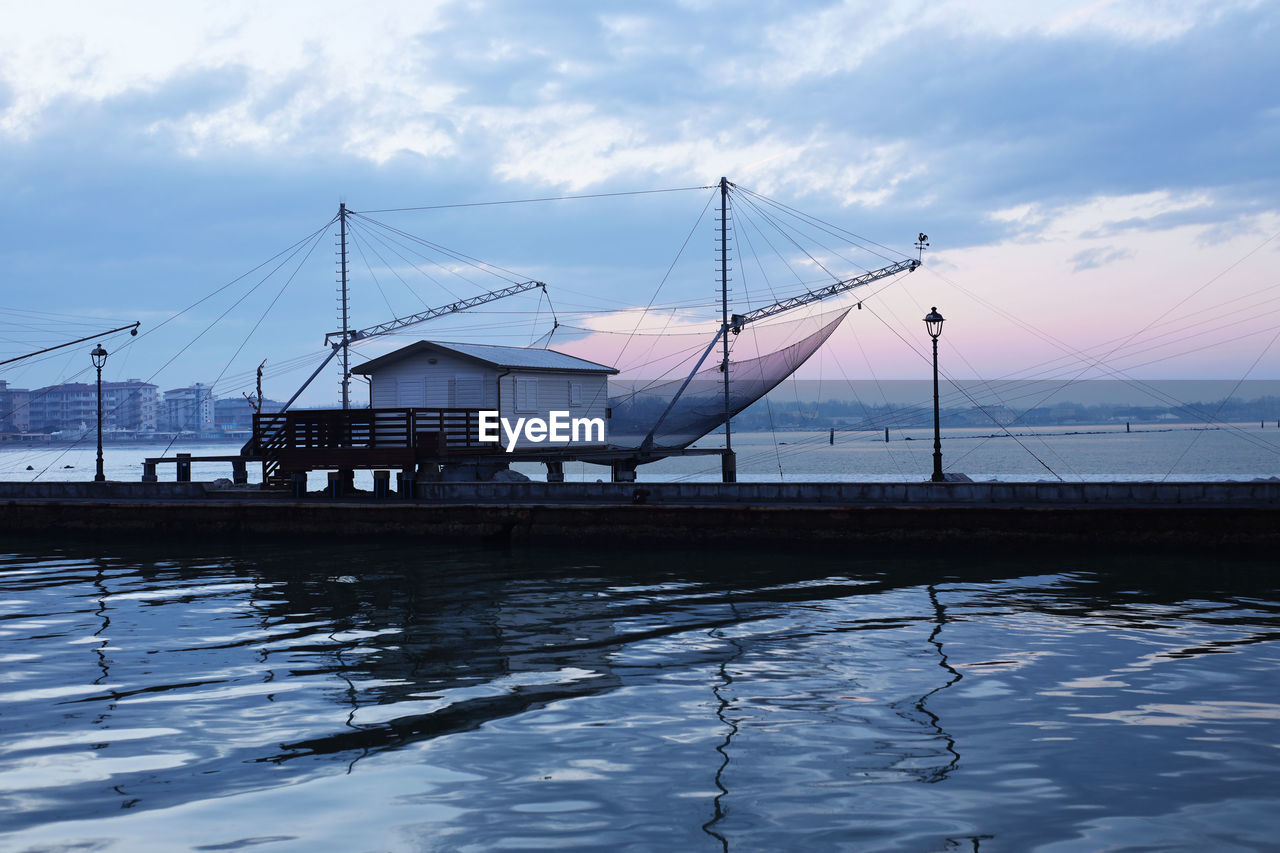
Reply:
x=516 y=382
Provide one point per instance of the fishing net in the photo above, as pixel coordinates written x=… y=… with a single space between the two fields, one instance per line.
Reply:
x=700 y=408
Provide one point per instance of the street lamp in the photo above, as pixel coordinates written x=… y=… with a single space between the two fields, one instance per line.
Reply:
x=99 y=356
x=933 y=323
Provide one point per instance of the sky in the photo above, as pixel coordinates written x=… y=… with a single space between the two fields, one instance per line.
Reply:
x=1099 y=181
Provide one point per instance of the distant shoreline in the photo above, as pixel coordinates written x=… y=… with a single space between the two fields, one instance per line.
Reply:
x=91 y=440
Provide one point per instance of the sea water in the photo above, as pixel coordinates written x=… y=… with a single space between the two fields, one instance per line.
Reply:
x=298 y=697
x=1079 y=453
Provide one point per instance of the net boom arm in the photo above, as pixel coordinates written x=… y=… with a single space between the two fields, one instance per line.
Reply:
x=451 y=308
x=388 y=328
x=737 y=321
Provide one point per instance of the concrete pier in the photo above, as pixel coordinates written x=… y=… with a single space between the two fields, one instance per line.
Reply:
x=1208 y=515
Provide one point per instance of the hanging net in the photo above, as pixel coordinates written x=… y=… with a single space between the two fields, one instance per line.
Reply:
x=700 y=408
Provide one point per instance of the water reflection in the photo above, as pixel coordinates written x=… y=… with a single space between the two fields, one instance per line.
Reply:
x=937 y=774
x=723 y=708
x=699 y=699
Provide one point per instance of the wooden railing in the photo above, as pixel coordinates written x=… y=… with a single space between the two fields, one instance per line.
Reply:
x=316 y=439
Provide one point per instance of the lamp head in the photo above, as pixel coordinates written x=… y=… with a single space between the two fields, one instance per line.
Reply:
x=99 y=356
x=933 y=322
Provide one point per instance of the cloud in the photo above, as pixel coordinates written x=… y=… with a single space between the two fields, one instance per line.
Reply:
x=836 y=38
x=1097 y=257
x=953 y=109
x=159 y=155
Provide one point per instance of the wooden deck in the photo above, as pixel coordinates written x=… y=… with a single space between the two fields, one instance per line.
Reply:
x=350 y=439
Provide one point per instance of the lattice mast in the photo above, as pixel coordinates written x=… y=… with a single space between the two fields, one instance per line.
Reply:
x=724 y=305
x=344 y=304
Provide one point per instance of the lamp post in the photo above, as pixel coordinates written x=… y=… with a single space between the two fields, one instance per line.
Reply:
x=933 y=323
x=99 y=356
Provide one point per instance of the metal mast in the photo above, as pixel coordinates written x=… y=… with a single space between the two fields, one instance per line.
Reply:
x=344 y=303
x=724 y=305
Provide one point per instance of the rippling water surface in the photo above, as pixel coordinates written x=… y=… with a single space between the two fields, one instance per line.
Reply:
x=1074 y=454
x=396 y=698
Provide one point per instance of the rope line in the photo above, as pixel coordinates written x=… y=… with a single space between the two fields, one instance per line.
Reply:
x=535 y=200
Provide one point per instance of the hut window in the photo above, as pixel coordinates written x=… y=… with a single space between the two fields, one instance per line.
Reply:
x=526 y=394
x=575 y=393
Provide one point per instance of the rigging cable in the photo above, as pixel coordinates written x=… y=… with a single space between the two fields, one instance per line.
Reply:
x=244 y=342
x=820 y=222
x=1099 y=362
x=1094 y=361
x=289 y=253
x=755 y=339
x=875 y=378
x=370 y=234
x=777 y=227
x=355 y=241
x=536 y=316
x=662 y=283
x=555 y=320
x=479 y=265
x=1196 y=437
x=146 y=332
x=395 y=246
x=965 y=393
x=534 y=200
x=995 y=394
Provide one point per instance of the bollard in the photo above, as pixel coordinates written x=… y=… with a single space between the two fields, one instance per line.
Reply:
x=149 y=472
x=404 y=484
x=184 y=467
x=239 y=472
x=729 y=467
x=298 y=483
x=335 y=484
x=381 y=485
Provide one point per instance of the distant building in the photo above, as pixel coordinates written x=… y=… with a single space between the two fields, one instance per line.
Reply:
x=15 y=416
x=985 y=416
x=235 y=414
x=128 y=405
x=1068 y=413
x=188 y=409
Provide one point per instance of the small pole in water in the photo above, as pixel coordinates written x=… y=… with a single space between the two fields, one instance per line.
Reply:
x=1126 y=426
x=831 y=439
x=886 y=435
